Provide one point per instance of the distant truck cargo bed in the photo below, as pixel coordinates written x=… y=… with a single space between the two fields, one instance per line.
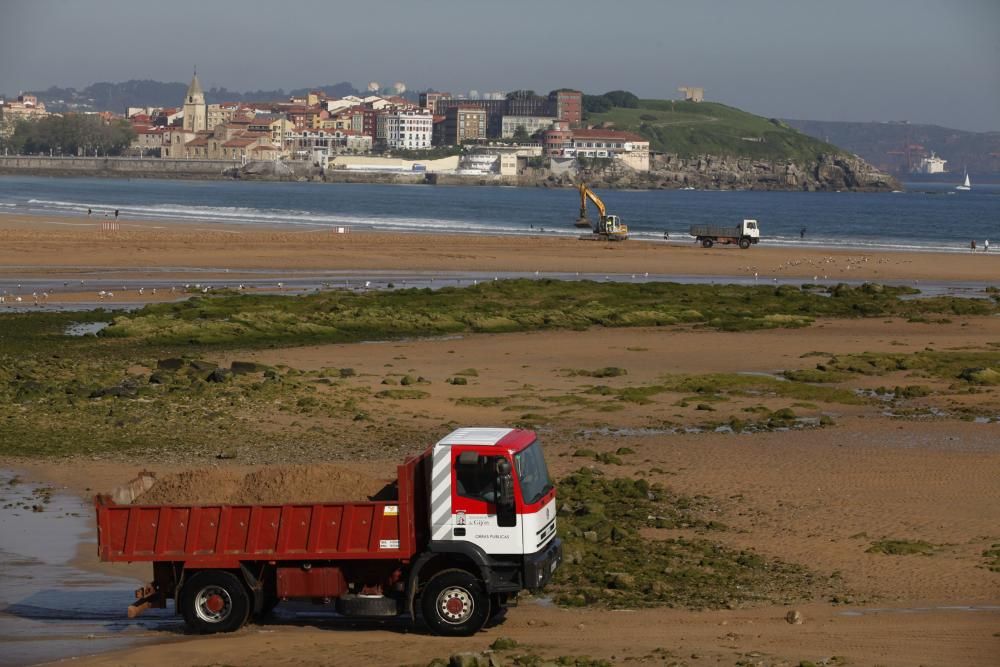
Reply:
x=716 y=230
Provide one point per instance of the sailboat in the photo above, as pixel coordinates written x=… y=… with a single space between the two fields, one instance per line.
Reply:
x=967 y=185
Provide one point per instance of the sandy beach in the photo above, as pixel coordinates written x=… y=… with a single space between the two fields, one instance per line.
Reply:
x=817 y=497
x=69 y=248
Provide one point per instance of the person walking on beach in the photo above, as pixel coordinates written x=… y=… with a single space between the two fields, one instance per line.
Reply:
x=986 y=245
x=89 y=211
x=972 y=245
x=116 y=214
x=802 y=233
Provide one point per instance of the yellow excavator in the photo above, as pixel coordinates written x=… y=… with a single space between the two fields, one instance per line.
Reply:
x=608 y=227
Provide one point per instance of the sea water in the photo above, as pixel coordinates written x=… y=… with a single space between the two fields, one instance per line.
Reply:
x=926 y=217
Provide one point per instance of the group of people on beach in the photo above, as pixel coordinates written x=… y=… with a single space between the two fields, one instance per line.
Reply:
x=91 y=211
x=986 y=245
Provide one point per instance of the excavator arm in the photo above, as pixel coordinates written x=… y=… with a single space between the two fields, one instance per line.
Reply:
x=587 y=193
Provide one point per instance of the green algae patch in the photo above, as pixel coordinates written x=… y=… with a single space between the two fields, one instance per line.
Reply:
x=992 y=556
x=402 y=394
x=902 y=547
x=512 y=305
x=719 y=386
x=608 y=562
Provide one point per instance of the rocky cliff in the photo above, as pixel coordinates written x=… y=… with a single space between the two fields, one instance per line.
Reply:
x=829 y=172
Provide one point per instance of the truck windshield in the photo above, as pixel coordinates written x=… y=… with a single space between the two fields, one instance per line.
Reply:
x=532 y=473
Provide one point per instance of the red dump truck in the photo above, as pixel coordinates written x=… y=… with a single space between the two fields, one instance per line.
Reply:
x=472 y=523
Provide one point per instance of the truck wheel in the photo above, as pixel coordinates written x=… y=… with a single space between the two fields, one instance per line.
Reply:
x=214 y=601
x=455 y=604
x=744 y=243
x=706 y=243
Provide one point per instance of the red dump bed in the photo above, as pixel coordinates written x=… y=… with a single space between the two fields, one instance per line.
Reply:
x=220 y=534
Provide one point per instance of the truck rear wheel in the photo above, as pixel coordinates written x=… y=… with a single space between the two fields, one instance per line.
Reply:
x=744 y=243
x=214 y=601
x=706 y=243
x=455 y=604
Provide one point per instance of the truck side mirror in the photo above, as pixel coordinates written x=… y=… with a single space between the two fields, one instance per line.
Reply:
x=506 y=513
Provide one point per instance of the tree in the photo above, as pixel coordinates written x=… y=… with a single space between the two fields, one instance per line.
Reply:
x=520 y=94
x=622 y=98
x=521 y=135
x=72 y=134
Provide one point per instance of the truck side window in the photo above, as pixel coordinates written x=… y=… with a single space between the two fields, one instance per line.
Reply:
x=477 y=481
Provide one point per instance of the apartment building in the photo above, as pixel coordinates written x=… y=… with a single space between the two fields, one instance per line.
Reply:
x=463 y=124
x=629 y=148
x=410 y=130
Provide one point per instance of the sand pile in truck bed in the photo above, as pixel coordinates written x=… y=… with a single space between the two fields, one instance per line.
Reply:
x=272 y=485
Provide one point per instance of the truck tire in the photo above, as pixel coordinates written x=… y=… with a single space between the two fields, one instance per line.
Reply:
x=744 y=243
x=706 y=243
x=214 y=601
x=455 y=604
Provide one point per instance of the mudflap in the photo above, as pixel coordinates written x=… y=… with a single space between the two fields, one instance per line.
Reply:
x=147 y=597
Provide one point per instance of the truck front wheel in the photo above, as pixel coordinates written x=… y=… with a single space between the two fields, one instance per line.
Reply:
x=744 y=243
x=214 y=601
x=455 y=604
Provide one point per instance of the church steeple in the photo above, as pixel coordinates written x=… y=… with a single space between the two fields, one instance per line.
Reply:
x=195 y=110
x=194 y=92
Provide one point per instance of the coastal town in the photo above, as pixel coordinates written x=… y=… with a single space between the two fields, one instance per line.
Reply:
x=383 y=131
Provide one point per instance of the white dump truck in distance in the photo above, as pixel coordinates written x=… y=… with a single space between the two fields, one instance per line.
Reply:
x=745 y=234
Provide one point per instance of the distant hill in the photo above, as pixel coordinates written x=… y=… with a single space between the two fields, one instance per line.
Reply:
x=117 y=97
x=885 y=144
x=690 y=129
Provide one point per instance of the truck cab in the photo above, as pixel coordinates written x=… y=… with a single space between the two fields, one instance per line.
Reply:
x=490 y=492
x=750 y=230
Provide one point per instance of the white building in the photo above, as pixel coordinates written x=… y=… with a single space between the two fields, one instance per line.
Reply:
x=631 y=149
x=410 y=130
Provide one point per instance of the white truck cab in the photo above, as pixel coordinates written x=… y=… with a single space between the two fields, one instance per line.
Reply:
x=490 y=488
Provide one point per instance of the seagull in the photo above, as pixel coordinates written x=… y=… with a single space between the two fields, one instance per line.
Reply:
x=368 y=283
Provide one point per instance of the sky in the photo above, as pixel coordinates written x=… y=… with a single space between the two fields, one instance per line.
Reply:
x=859 y=60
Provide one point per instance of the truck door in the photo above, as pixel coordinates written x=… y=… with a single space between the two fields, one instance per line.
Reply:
x=478 y=514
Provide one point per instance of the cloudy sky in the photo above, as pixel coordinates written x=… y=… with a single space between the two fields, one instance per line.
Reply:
x=918 y=60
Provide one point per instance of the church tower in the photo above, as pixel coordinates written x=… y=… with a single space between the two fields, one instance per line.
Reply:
x=195 y=111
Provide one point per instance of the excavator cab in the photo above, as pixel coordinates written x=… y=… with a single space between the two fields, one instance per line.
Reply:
x=613 y=227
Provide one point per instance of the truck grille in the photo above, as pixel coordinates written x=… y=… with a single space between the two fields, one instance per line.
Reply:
x=546 y=533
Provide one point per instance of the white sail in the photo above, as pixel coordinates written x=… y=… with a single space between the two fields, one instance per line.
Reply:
x=966 y=185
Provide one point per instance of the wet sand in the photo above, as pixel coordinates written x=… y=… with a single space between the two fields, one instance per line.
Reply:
x=70 y=249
